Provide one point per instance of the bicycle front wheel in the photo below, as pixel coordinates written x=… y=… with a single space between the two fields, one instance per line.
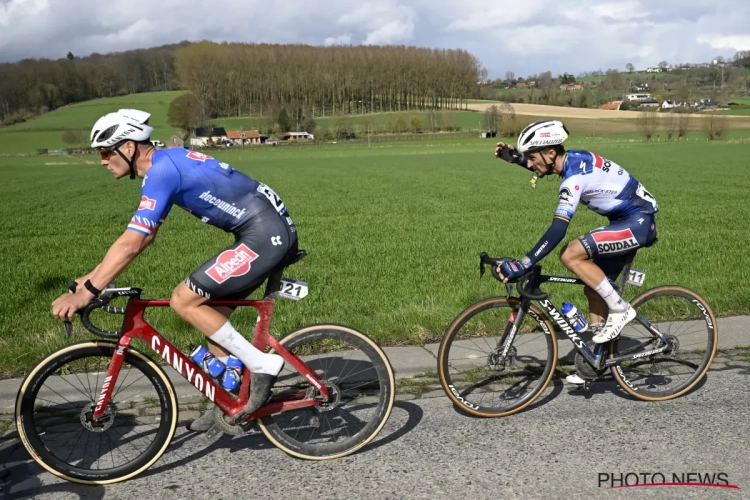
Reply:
x=688 y=321
x=472 y=370
x=359 y=378
x=57 y=399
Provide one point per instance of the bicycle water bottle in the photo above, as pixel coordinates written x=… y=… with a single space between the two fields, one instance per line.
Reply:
x=575 y=318
x=233 y=374
x=207 y=361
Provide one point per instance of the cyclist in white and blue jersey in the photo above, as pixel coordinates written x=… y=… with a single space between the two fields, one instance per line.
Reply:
x=265 y=236
x=604 y=187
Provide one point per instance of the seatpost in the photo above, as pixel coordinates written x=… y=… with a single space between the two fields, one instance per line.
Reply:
x=620 y=284
x=273 y=285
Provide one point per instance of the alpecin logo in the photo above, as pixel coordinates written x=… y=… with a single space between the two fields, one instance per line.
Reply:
x=147 y=203
x=231 y=263
x=617 y=480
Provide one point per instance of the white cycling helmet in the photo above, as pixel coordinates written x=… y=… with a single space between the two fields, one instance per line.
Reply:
x=540 y=135
x=123 y=125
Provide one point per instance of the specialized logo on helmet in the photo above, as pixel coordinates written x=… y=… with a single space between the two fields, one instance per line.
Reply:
x=231 y=263
x=147 y=203
x=541 y=134
x=614 y=241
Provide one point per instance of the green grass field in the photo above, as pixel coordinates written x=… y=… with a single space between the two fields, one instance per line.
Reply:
x=466 y=120
x=393 y=233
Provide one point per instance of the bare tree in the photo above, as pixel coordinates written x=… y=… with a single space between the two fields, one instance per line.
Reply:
x=614 y=81
x=630 y=67
x=683 y=124
x=493 y=118
x=416 y=124
x=669 y=124
x=341 y=126
x=663 y=65
x=186 y=113
x=72 y=136
x=510 y=77
x=647 y=121
x=715 y=126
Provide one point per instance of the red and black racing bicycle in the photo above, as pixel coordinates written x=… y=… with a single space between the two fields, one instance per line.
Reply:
x=99 y=412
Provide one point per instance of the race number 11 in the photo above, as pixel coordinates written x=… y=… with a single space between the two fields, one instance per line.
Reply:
x=636 y=277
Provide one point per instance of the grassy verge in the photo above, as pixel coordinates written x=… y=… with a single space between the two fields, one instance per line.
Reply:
x=393 y=230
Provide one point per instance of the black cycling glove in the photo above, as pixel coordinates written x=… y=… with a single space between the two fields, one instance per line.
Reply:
x=512 y=156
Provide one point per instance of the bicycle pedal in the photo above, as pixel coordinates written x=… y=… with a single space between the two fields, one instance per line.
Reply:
x=587 y=385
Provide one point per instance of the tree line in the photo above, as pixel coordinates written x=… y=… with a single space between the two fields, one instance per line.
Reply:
x=240 y=79
x=34 y=86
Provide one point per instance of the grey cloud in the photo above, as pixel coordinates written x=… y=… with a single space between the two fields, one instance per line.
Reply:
x=528 y=37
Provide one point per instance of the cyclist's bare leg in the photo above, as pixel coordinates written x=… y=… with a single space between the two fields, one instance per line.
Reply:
x=598 y=309
x=212 y=323
x=193 y=308
x=575 y=258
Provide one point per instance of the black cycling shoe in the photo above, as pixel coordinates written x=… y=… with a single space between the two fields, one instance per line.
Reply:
x=260 y=390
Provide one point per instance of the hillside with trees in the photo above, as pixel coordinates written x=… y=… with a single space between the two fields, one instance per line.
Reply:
x=34 y=86
x=240 y=79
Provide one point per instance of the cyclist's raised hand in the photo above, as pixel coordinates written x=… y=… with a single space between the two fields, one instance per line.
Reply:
x=498 y=148
x=510 y=154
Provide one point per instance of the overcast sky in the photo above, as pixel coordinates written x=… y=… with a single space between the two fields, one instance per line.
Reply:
x=526 y=37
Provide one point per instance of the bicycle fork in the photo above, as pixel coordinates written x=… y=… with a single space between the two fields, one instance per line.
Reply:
x=110 y=381
x=504 y=344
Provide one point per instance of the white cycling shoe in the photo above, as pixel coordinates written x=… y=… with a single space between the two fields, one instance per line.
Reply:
x=573 y=378
x=616 y=321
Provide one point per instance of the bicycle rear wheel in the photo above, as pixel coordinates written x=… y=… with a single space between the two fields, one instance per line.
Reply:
x=360 y=379
x=687 y=319
x=57 y=398
x=468 y=358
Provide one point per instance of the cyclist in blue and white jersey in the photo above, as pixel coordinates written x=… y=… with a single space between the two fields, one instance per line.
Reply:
x=604 y=187
x=265 y=236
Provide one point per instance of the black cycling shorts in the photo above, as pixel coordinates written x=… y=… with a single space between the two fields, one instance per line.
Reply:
x=259 y=247
x=609 y=247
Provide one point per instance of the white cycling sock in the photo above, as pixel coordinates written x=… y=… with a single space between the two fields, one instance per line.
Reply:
x=611 y=297
x=256 y=360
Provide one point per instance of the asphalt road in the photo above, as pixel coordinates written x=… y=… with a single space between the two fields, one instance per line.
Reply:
x=562 y=447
